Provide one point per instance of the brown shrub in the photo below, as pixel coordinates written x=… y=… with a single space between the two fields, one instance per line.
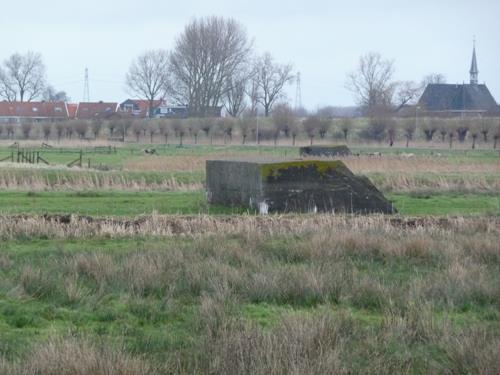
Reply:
x=298 y=345
x=73 y=356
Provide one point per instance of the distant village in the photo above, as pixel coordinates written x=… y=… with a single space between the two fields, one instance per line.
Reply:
x=43 y=111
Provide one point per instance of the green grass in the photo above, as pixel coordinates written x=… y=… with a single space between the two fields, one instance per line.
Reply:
x=446 y=204
x=112 y=203
x=118 y=203
x=159 y=324
x=128 y=152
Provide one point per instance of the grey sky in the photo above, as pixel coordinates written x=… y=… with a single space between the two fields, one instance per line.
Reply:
x=323 y=39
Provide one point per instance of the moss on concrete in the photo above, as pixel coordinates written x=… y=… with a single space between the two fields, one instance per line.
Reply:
x=274 y=170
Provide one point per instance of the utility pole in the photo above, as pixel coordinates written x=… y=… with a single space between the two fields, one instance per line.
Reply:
x=86 y=90
x=298 y=94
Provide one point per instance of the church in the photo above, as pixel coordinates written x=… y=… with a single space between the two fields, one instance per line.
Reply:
x=467 y=99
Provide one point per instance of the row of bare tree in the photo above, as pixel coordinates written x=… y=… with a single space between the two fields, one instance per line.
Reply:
x=283 y=124
x=212 y=64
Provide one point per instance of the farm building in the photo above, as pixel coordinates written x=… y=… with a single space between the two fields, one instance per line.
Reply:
x=292 y=186
x=138 y=107
x=16 y=112
x=93 y=110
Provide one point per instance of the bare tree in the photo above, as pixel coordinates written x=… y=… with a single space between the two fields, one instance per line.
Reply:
x=69 y=130
x=496 y=136
x=23 y=77
x=60 y=127
x=11 y=130
x=372 y=83
x=311 y=125
x=283 y=120
x=346 y=125
x=324 y=127
x=7 y=91
x=80 y=127
x=253 y=94
x=164 y=129
x=409 y=128
x=148 y=76
x=406 y=92
x=433 y=78
x=208 y=54
x=474 y=133
x=194 y=126
x=137 y=130
x=429 y=126
x=486 y=124
x=96 y=127
x=26 y=128
x=234 y=101
x=50 y=94
x=270 y=79
x=152 y=127
x=179 y=129
x=247 y=125
x=46 y=129
x=228 y=125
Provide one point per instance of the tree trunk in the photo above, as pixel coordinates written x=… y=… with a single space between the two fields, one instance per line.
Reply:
x=474 y=142
x=293 y=139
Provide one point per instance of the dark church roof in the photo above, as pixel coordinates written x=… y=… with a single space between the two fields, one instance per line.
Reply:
x=450 y=97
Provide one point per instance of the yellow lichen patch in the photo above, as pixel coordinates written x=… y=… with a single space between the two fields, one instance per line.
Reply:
x=321 y=166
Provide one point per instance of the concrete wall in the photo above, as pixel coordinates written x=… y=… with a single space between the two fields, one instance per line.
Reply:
x=233 y=182
x=325 y=151
x=293 y=186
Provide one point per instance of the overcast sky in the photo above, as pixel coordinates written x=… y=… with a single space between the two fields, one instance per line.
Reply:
x=323 y=39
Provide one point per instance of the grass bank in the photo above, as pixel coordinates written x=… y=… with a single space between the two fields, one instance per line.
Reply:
x=120 y=203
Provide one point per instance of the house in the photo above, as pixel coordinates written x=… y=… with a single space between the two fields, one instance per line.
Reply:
x=183 y=111
x=166 y=111
x=94 y=110
x=138 y=107
x=16 y=112
x=472 y=99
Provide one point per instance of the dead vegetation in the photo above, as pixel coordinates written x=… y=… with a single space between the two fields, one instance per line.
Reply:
x=72 y=226
x=354 y=288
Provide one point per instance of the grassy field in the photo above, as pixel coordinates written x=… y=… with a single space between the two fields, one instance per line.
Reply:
x=118 y=203
x=251 y=301
x=151 y=279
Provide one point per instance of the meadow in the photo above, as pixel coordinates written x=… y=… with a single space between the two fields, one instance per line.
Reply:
x=122 y=268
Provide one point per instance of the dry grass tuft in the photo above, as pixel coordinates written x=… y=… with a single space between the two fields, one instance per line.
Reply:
x=297 y=345
x=74 y=356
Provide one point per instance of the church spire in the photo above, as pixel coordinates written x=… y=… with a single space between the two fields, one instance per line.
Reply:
x=473 y=67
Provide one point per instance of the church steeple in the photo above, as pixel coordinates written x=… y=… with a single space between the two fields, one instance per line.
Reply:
x=473 y=66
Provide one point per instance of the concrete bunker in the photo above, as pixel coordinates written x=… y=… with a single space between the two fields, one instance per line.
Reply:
x=292 y=186
x=325 y=151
